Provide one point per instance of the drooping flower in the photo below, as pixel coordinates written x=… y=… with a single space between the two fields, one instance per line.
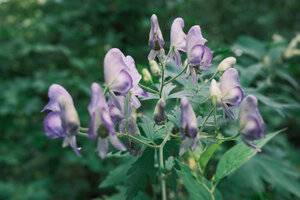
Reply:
x=63 y=121
x=156 y=40
x=226 y=64
x=101 y=124
x=232 y=92
x=215 y=93
x=121 y=75
x=178 y=40
x=159 y=114
x=251 y=124
x=188 y=127
x=120 y=113
x=199 y=57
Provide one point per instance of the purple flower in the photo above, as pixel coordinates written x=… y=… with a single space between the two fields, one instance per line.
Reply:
x=121 y=75
x=199 y=57
x=232 y=92
x=178 y=40
x=156 y=40
x=101 y=123
x=159 y=114
x=188 y=127
x=251 y=124
x=63 y=121
x=119 y=114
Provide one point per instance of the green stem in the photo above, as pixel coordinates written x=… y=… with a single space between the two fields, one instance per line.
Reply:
x=201 y=129
x=82 y=134
x=138 y=140
x=83 y=129
x=163 y=70
x=216 y=123
x=161 y=163
x=148 y=89
x=105 y=90
x=172 y=79
x=203 y=84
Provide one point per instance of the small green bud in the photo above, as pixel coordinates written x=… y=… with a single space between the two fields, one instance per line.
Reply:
x=155 y=70
x=159 y=114
x=215 y=93
x=226 y=64
x=146 y=75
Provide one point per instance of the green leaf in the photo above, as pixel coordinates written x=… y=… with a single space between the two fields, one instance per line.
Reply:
x=139 y=172
x=250 y=46
x=117 y=175
x=206 y=155
x=237 y=156
x=148 y=127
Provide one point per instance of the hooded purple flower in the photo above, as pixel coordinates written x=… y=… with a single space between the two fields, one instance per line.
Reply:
x=159 y=114
x=178 y=40
x=232 y=92
x=156 y=40
x=188 y=127
x=119 y=114
x=101 y=123
x=63 y=121
x=199 y=57
x=121 y=75
x=251 y=124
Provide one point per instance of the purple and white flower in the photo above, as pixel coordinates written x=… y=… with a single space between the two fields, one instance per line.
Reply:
x=178 y=40
x=251 y=124
x=101 y=124
x=199 y=57
x=63 y=121
x=121 y=76
x=119 y=113
x=188 y=127
x=159 y=114
x=156 y=40
x=232 y=92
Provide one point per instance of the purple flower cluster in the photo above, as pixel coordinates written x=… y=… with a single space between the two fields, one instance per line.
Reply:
x=121 y=79
x=199 y=56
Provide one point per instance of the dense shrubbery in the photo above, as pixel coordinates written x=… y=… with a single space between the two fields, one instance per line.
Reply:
x=45 y=42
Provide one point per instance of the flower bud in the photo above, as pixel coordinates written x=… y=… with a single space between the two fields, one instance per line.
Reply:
x=155 y=70
x=146 y=75
x=215 y=93
x=226 y=64
x=159 y=114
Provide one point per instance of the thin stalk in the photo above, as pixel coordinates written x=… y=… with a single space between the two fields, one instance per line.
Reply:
x=181 y=72
x=83 y=129
x=163 y=70
x=216 y=123
x=105 y=90
x=138 y=140
x=203 y=84
x=82 y=134
x=148 y=89
x=161 y=163
x=201 y=129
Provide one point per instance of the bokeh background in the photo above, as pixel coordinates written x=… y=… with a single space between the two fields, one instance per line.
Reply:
x=64 y=41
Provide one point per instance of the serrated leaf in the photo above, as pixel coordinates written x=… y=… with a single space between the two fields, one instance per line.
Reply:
x=117 y=175
x=239 y=155
x=206 y=155
x=147 y=126
x=139 y=172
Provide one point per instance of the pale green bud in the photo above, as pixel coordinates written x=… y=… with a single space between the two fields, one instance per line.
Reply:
x=226 y=64
x=155 y=70
x=146 y=75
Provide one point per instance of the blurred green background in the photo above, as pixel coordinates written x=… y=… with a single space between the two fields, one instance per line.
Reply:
x=64 y=41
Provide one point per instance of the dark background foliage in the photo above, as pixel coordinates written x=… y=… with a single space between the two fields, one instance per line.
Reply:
x=64 y=41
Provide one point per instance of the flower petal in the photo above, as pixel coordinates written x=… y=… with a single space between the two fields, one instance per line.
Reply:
x=206 y=59
x=156 y=39
x=229 y=80
x=195 y=55
x=188 y=120
x=54 y=92
x=71 y=140
x=122 y=84
x=116 y=142
x=102 y=147
x=53 y=126
x=178 y=37
x=194 y=37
